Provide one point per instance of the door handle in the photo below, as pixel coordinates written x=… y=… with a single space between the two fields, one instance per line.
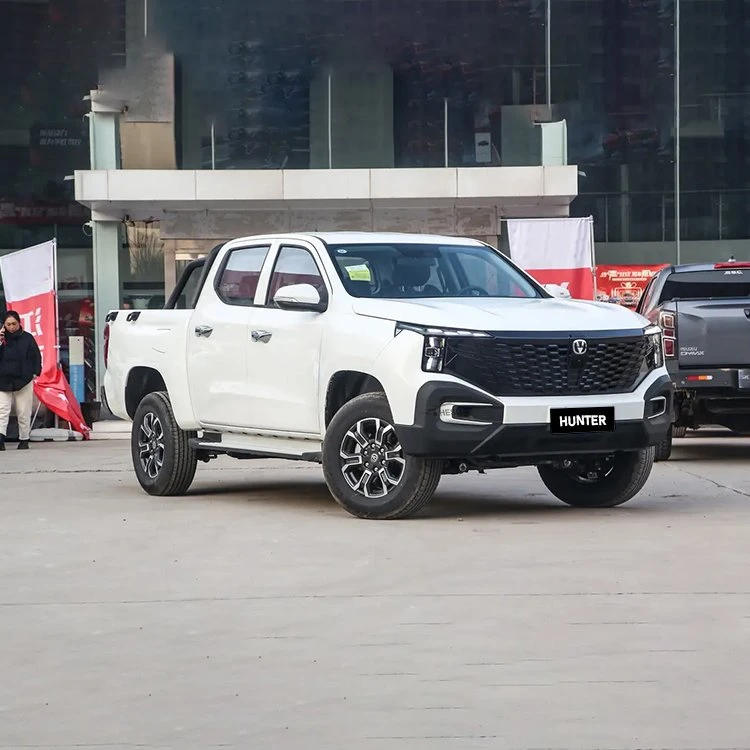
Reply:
x=263 y=336
x=204 y=331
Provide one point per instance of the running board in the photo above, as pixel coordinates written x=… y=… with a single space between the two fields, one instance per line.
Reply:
x=214 y=444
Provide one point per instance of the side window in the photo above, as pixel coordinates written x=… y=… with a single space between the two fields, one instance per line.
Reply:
x=189 y=283
x=295 y=266
x=238 y=280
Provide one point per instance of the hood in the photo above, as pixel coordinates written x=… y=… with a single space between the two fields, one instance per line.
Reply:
x=503 y=314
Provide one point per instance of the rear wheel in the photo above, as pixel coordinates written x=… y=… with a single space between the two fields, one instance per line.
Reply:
x=679 y=432
x=599 y=481
x=163 y=460
x=365 y=467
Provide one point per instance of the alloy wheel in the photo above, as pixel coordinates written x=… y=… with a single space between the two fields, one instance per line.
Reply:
x=151 y=445
x=372 y=460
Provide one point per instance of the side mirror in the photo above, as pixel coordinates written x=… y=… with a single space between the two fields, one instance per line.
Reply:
x=557 y=291
x=300 y=297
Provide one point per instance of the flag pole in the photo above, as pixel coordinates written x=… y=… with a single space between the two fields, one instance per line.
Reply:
x=593 y=254
x=55 y=291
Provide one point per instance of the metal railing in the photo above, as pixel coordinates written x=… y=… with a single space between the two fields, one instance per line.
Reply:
x=706 y=215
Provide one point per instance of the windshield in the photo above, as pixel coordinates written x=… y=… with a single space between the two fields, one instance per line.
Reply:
x=391 y=271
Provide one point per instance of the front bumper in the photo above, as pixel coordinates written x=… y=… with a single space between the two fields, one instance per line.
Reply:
x=510 y=438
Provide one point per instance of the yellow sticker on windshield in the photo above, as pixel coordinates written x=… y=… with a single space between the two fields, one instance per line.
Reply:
x=359 y=273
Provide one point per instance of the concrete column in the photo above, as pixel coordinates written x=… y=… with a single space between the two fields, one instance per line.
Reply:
x=106 y=284
x=104 y=144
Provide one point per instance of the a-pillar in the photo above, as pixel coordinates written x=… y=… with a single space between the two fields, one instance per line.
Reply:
x=104 y=144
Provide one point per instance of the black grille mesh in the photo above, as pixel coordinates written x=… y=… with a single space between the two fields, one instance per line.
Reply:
x=517 y=367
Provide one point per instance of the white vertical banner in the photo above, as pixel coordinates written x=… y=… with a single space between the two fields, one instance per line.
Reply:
x=29 y=282
x=556 y=251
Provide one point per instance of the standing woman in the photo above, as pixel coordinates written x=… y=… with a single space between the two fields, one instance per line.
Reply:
x=20 y=363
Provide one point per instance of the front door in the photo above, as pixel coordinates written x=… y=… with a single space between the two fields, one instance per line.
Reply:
x=283 y=359
x=218 y=337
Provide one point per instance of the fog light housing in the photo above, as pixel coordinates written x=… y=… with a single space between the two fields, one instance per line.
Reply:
x=470 y=413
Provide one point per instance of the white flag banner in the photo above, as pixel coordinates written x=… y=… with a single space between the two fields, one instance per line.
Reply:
x=29 y=283
x=555 y=251
x=29 y=273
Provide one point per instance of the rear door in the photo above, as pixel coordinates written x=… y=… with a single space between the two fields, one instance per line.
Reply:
x=218 y=337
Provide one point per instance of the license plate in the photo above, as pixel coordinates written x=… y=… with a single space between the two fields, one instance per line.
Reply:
x=743 y=379
x=600 y=419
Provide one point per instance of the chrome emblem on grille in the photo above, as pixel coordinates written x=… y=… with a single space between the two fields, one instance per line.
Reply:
x=580 y=347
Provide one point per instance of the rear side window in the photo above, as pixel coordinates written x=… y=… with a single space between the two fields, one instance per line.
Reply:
x=706 y=284
x=189 y=284
x=238 y=279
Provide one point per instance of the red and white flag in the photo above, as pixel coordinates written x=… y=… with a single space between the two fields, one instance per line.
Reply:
x=29 y=282
x=555 y=251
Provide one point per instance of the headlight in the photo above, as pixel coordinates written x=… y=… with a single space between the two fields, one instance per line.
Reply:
x=655 y=351
x=433 y=351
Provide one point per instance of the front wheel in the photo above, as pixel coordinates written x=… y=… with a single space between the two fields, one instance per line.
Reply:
x=163 y=460
x=365 y=467
x=599 y=481
x=663 y=450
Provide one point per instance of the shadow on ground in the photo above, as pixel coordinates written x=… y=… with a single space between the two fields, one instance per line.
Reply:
x=694 y=451
x=478 y=501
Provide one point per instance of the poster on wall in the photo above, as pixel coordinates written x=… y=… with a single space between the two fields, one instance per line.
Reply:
x=555 y=251
x=624 y=284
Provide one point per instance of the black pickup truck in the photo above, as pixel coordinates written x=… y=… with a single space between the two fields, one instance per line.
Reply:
x=704 y=313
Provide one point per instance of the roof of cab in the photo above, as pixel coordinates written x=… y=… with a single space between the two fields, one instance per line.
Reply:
x=363 y=238
x=367 y=238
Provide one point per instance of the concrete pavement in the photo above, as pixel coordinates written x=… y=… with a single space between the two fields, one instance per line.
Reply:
x=257 y=614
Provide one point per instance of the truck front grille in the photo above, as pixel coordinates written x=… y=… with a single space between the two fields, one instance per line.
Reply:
x=521 y=367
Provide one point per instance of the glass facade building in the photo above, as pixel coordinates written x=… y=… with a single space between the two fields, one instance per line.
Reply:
x=370 y=84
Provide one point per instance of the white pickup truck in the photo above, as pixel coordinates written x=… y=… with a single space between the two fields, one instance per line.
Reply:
x=391 y=359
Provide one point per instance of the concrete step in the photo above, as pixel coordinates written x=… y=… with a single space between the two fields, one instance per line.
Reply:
x=111 y=429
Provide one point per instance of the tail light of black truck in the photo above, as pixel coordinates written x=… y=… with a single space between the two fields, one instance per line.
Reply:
x=668 y=324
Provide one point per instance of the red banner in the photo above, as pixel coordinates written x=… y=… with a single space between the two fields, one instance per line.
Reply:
x=624 y=284
x=53 y=390
x=38 y=318
x=29 y=283
x=578 y=281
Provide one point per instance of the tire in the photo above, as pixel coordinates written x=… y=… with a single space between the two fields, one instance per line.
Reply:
x=170 y=470
x=679 y=432
x=409 y=482
x=620 y=481
x=664 y=449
